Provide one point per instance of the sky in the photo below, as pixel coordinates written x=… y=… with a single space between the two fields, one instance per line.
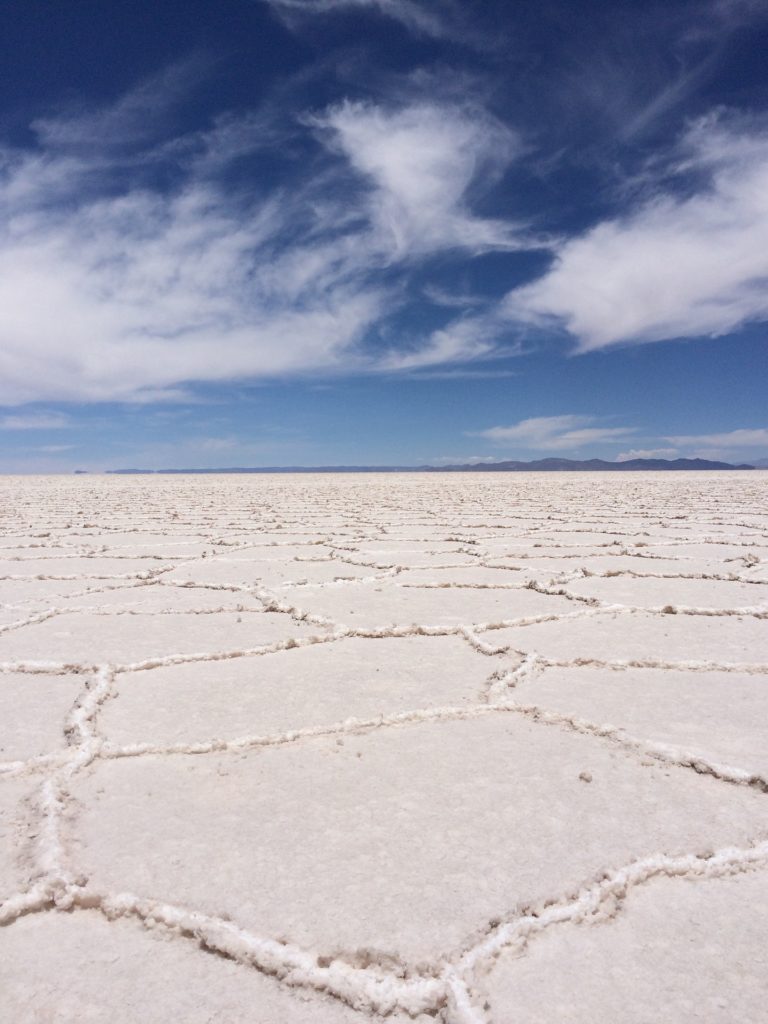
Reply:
x=381 y=232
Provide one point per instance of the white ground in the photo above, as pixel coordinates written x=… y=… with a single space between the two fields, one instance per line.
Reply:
x=330 y=749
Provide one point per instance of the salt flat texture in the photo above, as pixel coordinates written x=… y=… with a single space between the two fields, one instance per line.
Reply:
x=467 y=748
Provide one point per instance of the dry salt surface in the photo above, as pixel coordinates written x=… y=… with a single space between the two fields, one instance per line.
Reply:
x=337 y=749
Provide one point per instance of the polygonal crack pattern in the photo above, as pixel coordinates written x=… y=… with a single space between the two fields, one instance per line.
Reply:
x=405 y=746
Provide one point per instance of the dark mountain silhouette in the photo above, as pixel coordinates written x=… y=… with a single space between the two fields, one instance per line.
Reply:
x=597 y=465
x=537 y=466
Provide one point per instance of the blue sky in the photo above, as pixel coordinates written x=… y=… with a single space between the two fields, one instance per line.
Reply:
x=311 y=232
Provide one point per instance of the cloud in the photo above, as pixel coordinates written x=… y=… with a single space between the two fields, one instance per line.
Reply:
x=480 y=336
x=670 y=96
x=553 y=433
x=647 y=453
x=452 y=300
x=425 y=18
x=115 y=288
x=462 y=373
x=139 y=115
x=712 y=454
x=422 y=160
x=214 y=444
x=719 y=447
x=34 y=421
x=689 y=262
x=457 y=344
x=731 y=439
x=735 y=13
x=462 y=460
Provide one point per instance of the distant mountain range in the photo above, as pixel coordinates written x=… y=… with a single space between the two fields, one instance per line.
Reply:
x=595 y=466
x=537 y=466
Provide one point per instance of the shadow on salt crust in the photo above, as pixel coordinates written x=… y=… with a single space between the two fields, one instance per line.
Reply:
x=406 y=840
x=317 y=685
x=680 y=951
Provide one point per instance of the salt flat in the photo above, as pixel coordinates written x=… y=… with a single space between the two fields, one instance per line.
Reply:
x=474 y=748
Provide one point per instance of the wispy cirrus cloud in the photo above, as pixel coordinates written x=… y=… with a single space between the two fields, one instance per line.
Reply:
x=141 y=114
x=214 y=444
x=34 y=421
x=437 y=18
x=461 y=342
x=155 y=288
x=647 y=453
x=462 y=460
x=742 y=438
x=553 y=433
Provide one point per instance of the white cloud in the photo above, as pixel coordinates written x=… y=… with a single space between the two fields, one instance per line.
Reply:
x=718 y=447
x=731 y=439
x=460 y=343
x=462 y=460
x=737 y=12
x=115 y=292
x=424 y=18
x=214 y=444
x=451 y=300
x=713 y=455
x=463 y=373
x=554 y=433
x=138 y=115
x=681 y=265
x=124 y=297
x=647 y=453
x=34 y=421
x=422 y=160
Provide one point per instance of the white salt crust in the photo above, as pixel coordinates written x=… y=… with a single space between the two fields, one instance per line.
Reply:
x=300 y=722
